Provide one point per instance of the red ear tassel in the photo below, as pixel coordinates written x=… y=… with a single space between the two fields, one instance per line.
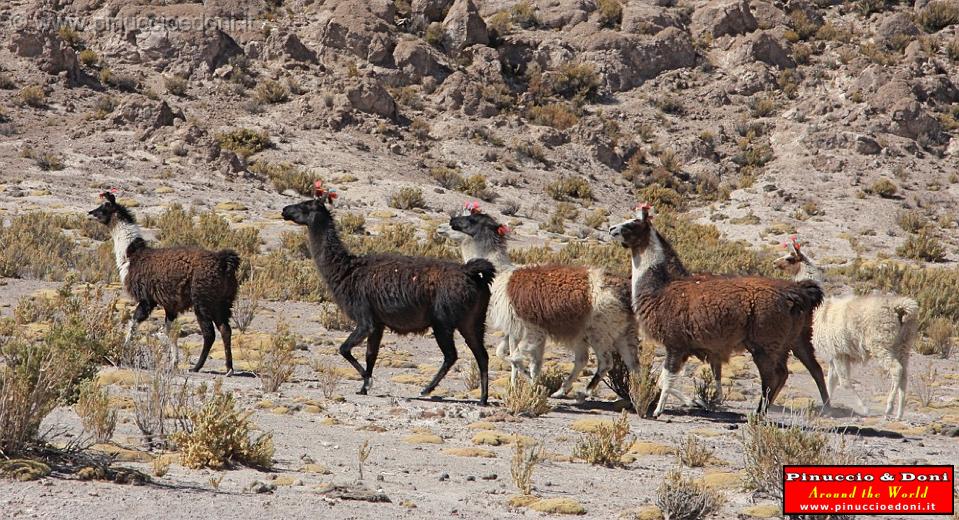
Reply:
x=318 y=190
x=503 y=230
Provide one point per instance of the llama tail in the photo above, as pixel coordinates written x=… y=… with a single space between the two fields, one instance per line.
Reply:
x=480 y=270
x=229 y=261
x=908 y=310
x=808 y=295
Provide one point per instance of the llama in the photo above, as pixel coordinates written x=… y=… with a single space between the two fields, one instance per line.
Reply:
x=855 y=329
x=173 y=278
x=573 y=305
x=403 y=293
x=711 y=316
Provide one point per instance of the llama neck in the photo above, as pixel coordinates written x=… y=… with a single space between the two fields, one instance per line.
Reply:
x=123 y=233
x=329 y=254
x=809 y=271
x=497 y=255
x=651 y=268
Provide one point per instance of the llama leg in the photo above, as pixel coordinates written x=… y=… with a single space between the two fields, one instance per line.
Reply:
x=516 y=359
x=898 y=376
x=667 y=381
x=903 y=378
x=535 y=347
x=580 y=358
x=209 y=335
x=226 y=334
x=806 y=354
x=473 y=335
x=346 y=349
x=832 y=379
x=768 y=377
x=372 y=349
x=505 y=346
x=844 y=371
x=174 y=351
x=603 y=362
x=444 y=338
x=140 y=314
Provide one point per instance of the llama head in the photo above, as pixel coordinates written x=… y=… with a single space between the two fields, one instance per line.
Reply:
x=478 y=234
x=635 y=232
x=309 y=213
x=792 y=261
x=109 y=212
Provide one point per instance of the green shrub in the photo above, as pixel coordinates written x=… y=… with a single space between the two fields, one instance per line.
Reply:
x=449 y=178
x=176 y=85
x=523 y=14
x=36 y=247
x=407 y=197
x=88 y=58
x=607 y=445
x=804 y=27
x=70 y=36
x=434 y=34
x=566 y=188
x=578 y=81
x=271 y=92
x=209 y=230
x=475 y=186
x=245 y=141
x=923 y=246
x=34 y=96
x=499 y=25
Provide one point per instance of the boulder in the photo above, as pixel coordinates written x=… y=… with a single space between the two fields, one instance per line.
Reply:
x=761 y=46
x=563 y=13
x=289 y=46
x=644 y=18
x=44 y=45
x=730 y=17
x=463 y=26
x=896 y=29
x=144 y=113
x=767 y=15
x=426 y=11
x=908 y=119
x=484 y=64
x=358 y=26
x=369 y=96
x=417 y=60
x=626 y=61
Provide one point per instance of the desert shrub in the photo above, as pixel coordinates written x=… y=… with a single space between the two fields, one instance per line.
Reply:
x=333 y=318
x=705 y=384
x=271 y=92
x=682 y=498
x=767 y=447
x=596 y=219
x=499 y=25
x=244 y=141
x=641 y=388
x=434 y=34
x=248 y=301
x=449 y=178
x=952 y=49
x=525 y=458
x=923 y=246
x=36 y=247
x=88 y=58
x=36 y=376
x=693 y=452
x=566 y=188
x=551 y=378
x=938 y=15
x=762 y=106
x=578 y=81
x=350 y=223
x=610 y=12
x=529 y=149
x=801 y=53
x=48 y=161
x=925 y=385
x=912 y=221
x=556 y=115
x=661 y=197
x=420 y=128
x=96 y=414
x=868 y=7
x=276 y=365
x=103 y=106
x=407 y=197
x=402 y=239
x=178 y=227
x=670 y=105
x=526 y=399
x=6 y=83
x=939 y=333
x=218 y=435
x=670 y=161
x=176 y=85
x=33 y=95
x=327 y=375
x=884 y=188
x=70 y=36
x=475 y=186
x=789 y=80
x=287 y=278
x=804 y=27
x=933 y=288
x=607 y=445
x=285 y=176
x=523 y=14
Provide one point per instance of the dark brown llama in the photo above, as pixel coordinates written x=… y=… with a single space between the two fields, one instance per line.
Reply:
x=173 y=278
x=405 y=294
x=713 y=316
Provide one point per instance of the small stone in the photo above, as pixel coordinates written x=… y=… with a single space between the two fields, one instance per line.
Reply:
x=444 y=477
x=470 y=478
x=490 y=476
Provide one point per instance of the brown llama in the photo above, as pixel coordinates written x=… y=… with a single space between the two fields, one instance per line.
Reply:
x=173 y=278
x=712 y=316
x=576 y=306
x=403 y=293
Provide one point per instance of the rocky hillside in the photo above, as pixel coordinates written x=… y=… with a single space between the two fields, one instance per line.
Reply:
x=834 y=120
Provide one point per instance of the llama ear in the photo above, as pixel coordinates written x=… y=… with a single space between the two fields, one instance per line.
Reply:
x=503 y=230
x=109 y=196
x=644 y=211
x=318 y=191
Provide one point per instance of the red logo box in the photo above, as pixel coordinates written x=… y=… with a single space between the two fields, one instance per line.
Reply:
x=868 y=490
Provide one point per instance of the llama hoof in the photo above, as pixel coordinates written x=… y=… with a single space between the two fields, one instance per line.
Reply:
x=559 y=394
x=581 y=397
x=229 y=373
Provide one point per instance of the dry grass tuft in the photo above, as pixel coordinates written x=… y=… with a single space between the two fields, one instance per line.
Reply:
x=682 y=498
x=217 y=435
x=706 y=393
x=939 y=335
x=407 y=197
x=178 y=227
x=693 y=452
x=327 y=376
x=568 y=188
x=285 y=176
x=244 y=141
x=526 y=399
x=607 y=444
x=248 y=301
x=333 y=318
x=525 y=458
x=923 y=246
x=924 y=385
x=99 y=418
x=276 y=366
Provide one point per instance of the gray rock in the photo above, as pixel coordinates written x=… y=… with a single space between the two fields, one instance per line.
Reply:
x=867 y=145
x=358 y=26
x=717 y=19
x=894 y=28
x=417 y=60
x=463 y=26
x=368 y=95
x=625 y=61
